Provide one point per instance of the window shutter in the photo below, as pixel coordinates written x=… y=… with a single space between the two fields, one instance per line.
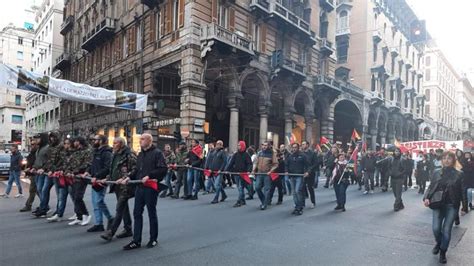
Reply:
x=263 y=38
x=152 y=28
x=214 y=11
x=162 y=20
x=232 y=19
x=169 y=16
x=181 y=13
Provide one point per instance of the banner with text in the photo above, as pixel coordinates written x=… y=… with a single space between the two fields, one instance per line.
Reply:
x=15 y=78
x=427 y=145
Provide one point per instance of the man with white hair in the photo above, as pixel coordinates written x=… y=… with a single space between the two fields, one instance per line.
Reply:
x=151 y=165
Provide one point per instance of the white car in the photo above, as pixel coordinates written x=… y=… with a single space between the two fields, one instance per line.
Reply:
x=4 y=164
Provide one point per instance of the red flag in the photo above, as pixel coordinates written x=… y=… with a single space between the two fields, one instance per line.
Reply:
x=246 y=177
x=172 y=166
x=151 y=183
x=207 y=172
x=274 y=176
x=318 y=148
x=355 y=136
x=323 y=140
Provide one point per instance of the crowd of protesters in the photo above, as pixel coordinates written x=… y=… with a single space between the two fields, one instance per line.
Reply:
x=188 y=171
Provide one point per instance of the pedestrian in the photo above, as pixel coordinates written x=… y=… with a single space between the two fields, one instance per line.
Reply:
x=444 y=196
x=100 y=168
x=422 y=173
x=209 y=184
x=123 y=162
x=250 y=187
x=53 y=161
x=60 y=168
x=409 y=165
x=312 y=160
x=30 y=159
x=151 y=166
x=330 y=163
x=79 y=164
x=240 y=162
x=170 y=158
x=397 y=178
x=266 y=164
x=41 y=175
x=368 y=165
x=284 y=153
x=194 y=160
x=296 y=168
x=384 y=171
x=318 y=167
x=181 y=172
x=15 y=171
x=436 y=161
x=278 y=181
x=468 y=181
x=340 y=180
x=216 y=164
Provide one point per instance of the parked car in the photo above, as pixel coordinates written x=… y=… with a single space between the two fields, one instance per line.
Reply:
x=4 y=164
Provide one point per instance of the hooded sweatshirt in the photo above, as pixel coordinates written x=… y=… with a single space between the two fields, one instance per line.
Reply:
x=240 y=161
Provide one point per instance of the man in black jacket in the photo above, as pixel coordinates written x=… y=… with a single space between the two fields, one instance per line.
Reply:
x=312 y=158
x=216 y=163
x=397 y=178
x=297 y=163
x=151 y=165
x=368 y=164
x=240 y=162
x=100 y=166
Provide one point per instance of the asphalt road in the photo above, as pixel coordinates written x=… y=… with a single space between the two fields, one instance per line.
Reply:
x=198 y=233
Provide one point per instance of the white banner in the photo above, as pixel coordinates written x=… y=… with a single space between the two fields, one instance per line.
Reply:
x=427 y=145
x=14 y=78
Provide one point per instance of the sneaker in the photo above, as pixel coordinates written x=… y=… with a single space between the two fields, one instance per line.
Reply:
x=40 y=214
x=72 y=218
x=125 y=234
x=4 y=196
x=132 y=245
x=96 y=228
x=338 y=207
x=263 y=207
x=371 y=192
x=435 y=250
x=76 y=221
x=249 y=198
x=294 y=211
x=25 y=209
x=19 y=196
x=299 y=212
x=214 y=201
x=108 y=236
x=313 y=206
x=238 y=204
x=54 y=218
x=224 y=197
x=366 y=192
x=86 y=219
x=152 y=244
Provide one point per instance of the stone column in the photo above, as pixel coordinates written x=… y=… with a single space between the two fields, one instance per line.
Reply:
x=309 y=128
x=327 y=129
x=234 y=104
x=373 y=139
x=263 y=112
x=193 y=106
x=288 y=125
x=383 y=136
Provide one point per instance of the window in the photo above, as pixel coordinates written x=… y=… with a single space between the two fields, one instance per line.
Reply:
x=20 y=40
x=427 y=61
x=393 y=65
x=124 y=45
x=19 y=55
x=32 y=43
x=176 y=15
x=256 y=37
x=50 y=25
x=18 y=100
x=324 y=25
x=427 y=75
x=375 y=52
x=342 y=47
x=138 y=37
x=157 y=25
x=46 y=31
x=17 y=119
x=343 y=21
x=222 y=15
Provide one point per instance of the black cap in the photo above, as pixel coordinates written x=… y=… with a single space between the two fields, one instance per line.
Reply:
x=37 y=136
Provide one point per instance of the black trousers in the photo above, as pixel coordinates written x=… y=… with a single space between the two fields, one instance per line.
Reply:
x=122 y=212
x=148 y=197
x=278 y=183
x=78 y=190
x=408 y=180
x=308 y=188
x=181 y=178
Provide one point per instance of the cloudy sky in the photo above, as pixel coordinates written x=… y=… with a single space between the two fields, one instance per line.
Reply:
x=450 y=23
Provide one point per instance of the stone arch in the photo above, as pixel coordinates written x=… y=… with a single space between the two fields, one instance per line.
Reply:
x=347 y=117
x=257 y=77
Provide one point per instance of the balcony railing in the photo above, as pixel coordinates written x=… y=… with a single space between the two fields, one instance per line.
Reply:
x=67 y=24
x=233 y=39
x=328 y=5
x=98 y=34
x=280 y=61
x=326 y=47
x=63 y=61
x=328 y=82
x=343 y=31
x=273 y=9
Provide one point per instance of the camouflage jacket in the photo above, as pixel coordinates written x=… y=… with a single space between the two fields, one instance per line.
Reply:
x=65 y=159
x=80 y=161
x=54 y=158
x=181 y=157
x=123 y=161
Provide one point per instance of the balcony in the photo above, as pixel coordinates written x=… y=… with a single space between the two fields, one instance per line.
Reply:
x=213 y=32
x=63 y=61
x=377 y=36
x=104 y=30
x=151 y=3
x=67 y=24
x=394 y=51
x=273 y=9
x=393 y=106
x=326 y=47
x=343 y=31
x=282 y=63
x=328 y=5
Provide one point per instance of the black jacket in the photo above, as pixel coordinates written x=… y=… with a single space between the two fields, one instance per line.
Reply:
x=240 y=162
x=217 y=160
x=453 y=180
x=468 y=170
x=150 y=163
x=101 y=160
x=397 y=168
x=312 y=160
x=296 y=163
x=423 y=171
x=368 y=163
x=15 y=161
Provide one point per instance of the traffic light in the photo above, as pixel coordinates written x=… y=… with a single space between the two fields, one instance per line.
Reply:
x=177 y=136
x=418 y=31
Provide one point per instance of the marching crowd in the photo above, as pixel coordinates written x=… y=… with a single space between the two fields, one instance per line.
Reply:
x=74 y=163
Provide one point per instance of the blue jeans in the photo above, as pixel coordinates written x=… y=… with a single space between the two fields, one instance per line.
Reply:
x=40 y=181
x=297 y=189
x=316 y=178
x=14 y=176
x=443 y=220
x=288 y=184
x=168 y=177
x=340 y=190
x=210 y=186
x=99 y=206
x=469 y=192
x=193 y=176
x=219 y=189
x=263 y=181
x=62 y=200
x=241 y=185
x=45 y=192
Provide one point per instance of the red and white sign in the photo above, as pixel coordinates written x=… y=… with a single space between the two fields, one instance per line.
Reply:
x=427 y=145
